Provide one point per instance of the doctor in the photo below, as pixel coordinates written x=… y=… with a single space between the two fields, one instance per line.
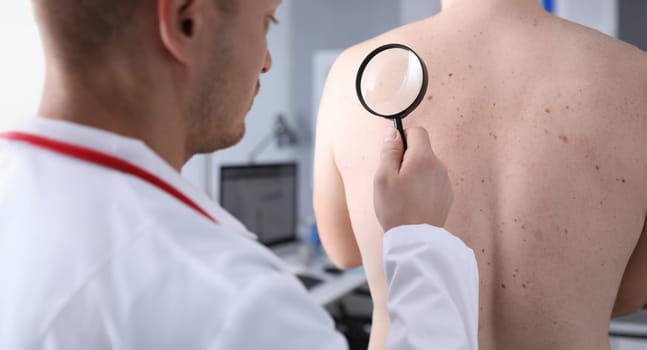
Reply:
x=104 y=246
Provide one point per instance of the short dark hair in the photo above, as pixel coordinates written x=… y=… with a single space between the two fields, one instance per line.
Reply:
x=85 y=27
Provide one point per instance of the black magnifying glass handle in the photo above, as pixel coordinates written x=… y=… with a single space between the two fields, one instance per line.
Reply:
x=398 y=125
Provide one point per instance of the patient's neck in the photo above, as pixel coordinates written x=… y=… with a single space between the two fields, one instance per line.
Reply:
x=479 y=5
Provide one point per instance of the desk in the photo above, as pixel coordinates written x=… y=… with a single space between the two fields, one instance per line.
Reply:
x=632 y=326
x=334 y=286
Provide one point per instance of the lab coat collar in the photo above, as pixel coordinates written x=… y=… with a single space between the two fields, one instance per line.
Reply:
x=134 y=151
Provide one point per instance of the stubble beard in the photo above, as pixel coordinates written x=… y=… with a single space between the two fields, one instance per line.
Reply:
x=213 y=116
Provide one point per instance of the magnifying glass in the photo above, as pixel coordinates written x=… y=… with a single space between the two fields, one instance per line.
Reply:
x=391 y=82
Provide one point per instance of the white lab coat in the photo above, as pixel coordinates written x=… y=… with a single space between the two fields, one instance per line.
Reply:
x=91 y=258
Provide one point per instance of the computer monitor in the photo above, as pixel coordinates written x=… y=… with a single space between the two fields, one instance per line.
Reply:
x=263 y=198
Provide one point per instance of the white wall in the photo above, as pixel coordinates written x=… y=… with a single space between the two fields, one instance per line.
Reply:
x=22 y=68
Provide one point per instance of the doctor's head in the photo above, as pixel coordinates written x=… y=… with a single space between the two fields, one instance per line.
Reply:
x=200 y=59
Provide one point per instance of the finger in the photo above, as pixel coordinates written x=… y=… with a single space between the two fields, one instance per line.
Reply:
x=419 y=152
x=418 y=139
x=391 y=155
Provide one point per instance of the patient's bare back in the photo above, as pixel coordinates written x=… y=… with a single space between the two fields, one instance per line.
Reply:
x=543 y=126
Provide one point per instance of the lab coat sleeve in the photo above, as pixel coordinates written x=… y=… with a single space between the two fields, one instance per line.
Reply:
x=433 y=289
x=275 y=312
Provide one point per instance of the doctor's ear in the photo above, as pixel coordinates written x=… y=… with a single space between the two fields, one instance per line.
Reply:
x=178 y=21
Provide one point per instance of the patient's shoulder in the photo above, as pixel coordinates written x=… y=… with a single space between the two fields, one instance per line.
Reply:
x=600 y=51
x=351 y=58
x=340 y=82
x=611 y=75
x=339 y=91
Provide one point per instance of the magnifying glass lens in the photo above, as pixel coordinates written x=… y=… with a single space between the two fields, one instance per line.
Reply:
x=392 y=81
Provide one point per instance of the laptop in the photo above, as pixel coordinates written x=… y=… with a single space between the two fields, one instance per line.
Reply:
x=263 y=198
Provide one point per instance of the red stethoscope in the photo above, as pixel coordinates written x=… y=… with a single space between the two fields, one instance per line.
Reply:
x=105 y=160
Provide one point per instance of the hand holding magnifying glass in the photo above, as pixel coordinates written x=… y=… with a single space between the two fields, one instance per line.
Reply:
x=391 y=82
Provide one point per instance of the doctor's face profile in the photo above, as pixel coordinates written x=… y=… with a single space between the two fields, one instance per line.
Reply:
x=235 y=53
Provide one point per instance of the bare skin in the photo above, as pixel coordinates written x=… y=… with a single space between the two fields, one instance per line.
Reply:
x=542 y=125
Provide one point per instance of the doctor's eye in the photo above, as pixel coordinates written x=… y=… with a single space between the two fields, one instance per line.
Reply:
x=271 y=20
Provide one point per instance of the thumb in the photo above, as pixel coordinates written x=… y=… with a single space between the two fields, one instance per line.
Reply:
x=392 y=153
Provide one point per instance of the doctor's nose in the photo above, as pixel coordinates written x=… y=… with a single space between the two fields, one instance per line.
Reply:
x=267 y=65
